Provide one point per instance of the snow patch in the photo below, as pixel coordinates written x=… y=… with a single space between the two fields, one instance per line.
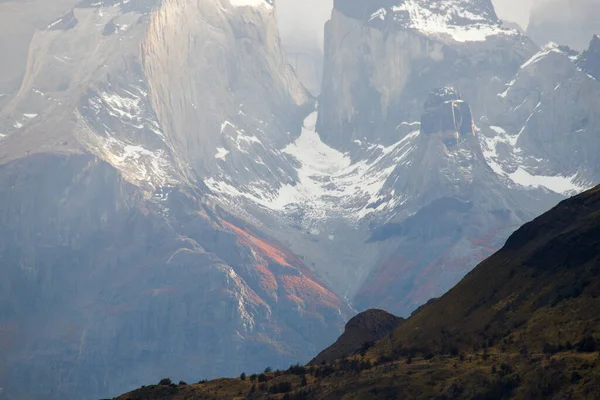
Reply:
x=558 y=184
x=441 y=21
x=328 y=182
x=221 y=153
x=137 y=164
x=516 y=168
x=250 y=3
x=549 y=48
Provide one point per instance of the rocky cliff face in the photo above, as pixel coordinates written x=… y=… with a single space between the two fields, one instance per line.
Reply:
x=119 y=268
x=590 y=59
x=401 y=52
x=546 y=133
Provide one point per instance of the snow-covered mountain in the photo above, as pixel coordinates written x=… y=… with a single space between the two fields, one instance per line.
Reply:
x=118 y=267
x=371 y=168
x=169 y=186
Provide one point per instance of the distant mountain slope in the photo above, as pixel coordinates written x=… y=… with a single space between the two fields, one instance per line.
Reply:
x=117 y=266
x=524 y=324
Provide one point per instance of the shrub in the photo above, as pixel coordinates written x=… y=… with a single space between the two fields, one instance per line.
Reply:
x=268 y=370
x=384 y=360
x=587 y=345
x=262 y=378
x=297 y=369
x=575 y=377
x=281 y=387
x=182 y=383
x=550 y=349
x=253 y=377
x=303 y=382
x=366 y=365
x=364 y=347
x=165 y=382
x=243 y=376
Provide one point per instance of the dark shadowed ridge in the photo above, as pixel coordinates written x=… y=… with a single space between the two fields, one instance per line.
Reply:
x=542 y=286
x=360 y=333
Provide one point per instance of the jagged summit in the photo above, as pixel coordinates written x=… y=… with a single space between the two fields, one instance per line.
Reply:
x=462 y=20
x=590 y=59
x=445 y=111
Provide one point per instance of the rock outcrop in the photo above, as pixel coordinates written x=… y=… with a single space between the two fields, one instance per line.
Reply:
x=360 y=333
x=590 y=59
x=445 y=111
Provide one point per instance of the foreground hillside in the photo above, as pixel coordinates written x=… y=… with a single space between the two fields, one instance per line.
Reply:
x=524 y=324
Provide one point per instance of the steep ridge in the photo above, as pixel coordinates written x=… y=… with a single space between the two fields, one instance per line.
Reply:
x=590 y=59
x=541 y=286
x=361 y=332
x=522 y=324
x=551 y=103
x=119 y=268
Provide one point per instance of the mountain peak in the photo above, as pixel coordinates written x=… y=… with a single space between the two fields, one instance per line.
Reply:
x=445 y=111
x=590 y=59
x=461 y=20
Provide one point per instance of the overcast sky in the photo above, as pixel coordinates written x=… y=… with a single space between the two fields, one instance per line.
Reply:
x=305 y=18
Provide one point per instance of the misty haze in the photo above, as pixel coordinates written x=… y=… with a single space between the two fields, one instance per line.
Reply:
x=285 y=199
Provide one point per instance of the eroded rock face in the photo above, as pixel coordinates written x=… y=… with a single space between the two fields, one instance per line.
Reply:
x=445 y=111
x=396 y=65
